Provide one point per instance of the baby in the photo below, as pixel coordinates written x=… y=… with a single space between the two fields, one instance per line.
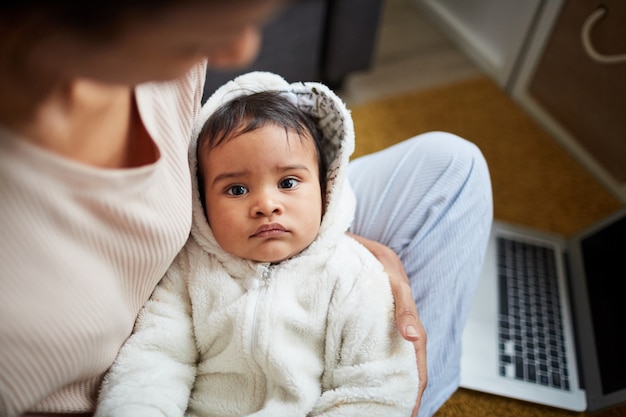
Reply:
x=270 y=309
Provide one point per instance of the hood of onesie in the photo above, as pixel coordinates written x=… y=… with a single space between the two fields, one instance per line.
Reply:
x=335 y=123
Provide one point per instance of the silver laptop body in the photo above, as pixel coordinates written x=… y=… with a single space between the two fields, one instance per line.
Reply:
x=544 y=330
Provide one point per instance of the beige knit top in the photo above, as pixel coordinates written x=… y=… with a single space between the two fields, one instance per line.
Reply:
x=81 y=251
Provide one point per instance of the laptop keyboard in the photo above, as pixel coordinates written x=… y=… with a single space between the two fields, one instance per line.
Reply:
x=531 y=333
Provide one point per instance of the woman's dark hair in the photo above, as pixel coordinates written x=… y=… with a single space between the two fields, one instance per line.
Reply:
x=89 y=18
x=247 y=113
x=93 y=20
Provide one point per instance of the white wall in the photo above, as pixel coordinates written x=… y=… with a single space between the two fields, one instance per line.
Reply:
x=492 y=32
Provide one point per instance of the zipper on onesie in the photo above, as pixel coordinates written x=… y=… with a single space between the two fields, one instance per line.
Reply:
x=260 y=284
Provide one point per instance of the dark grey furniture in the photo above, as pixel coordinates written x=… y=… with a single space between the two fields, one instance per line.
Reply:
x=314 y=40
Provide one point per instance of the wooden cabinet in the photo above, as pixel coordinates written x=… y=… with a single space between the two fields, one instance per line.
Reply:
x=573 y=80
x=563 y=61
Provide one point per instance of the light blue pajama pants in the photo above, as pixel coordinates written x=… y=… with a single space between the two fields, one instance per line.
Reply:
x=429 y=199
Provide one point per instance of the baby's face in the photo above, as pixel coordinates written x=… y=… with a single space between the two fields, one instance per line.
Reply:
x=262 y=194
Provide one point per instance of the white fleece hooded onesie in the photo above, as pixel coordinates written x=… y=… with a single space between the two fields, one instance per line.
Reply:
x=314 y=335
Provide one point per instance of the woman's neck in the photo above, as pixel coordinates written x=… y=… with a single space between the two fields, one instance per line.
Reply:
x=96 y=124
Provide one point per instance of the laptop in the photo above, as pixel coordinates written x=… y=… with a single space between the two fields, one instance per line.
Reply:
x=548 y=322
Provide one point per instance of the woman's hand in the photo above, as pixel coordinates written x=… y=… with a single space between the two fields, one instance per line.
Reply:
x=407 y=320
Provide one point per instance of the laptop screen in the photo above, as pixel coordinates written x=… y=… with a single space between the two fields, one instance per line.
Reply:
x=604 y=260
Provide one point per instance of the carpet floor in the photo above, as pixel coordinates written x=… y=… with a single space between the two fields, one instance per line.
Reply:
x=535 y=183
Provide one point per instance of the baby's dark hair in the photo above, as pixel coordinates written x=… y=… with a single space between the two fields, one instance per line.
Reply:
x=247 y=113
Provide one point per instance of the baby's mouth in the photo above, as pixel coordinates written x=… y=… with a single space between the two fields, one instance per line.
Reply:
x=270 y=230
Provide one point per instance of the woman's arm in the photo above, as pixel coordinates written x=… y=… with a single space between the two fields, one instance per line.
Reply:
x=407 y=319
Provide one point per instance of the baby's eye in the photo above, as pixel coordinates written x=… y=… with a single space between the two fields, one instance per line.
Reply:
x=288 y=183
x=236 y=190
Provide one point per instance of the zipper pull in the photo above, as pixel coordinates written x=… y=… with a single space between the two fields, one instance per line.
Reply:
x=265 y=274
x=254 y=282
